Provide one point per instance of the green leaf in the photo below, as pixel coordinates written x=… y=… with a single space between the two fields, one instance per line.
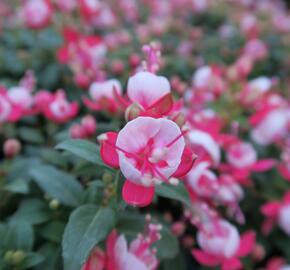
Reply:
x=19 y=236
x=130 y=223
x=177 y=262
x=178 y=192
x=53 y=231
x=17 y=186
x=83 y=149
x=31 y=259
x=33 y=211
x=87 y=226
x=51 y=253
x=57 y=184
x=167 y=247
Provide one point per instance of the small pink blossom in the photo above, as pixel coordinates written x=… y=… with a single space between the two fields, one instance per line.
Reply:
x=222 y=245
x=103 y=96
x=60 y=110
x=37 y=14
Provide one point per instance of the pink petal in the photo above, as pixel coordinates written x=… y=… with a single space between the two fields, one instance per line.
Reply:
x=232 y=264
x=264 y=165
x=187 y=161
x=205 y=258
x=247 y=243
x=161 y=107
x=108 y=151
x=91 y=105
x=137 y=195
x=270 y=209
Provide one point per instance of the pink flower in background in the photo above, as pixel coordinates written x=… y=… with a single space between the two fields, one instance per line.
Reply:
x=256 y=49
x=222 y=245
x=276 y=118
x=139 y=255
x=277 y=212
x=37 y=14
x=67 y=5
x=59 y=109
x=149 y=151
x=104 y=96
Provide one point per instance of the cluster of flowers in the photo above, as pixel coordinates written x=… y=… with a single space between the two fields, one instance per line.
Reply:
x=171 y=133
x=19 y=101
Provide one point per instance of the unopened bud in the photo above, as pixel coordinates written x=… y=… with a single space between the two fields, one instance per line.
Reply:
x=54 y=204
x=8 y=256
x=107 y=178
x=11 y=148
x=178 y=228
x=18 y=257
x=89 y=125
x=133 y=111
x=76 y=131
x=258 y=252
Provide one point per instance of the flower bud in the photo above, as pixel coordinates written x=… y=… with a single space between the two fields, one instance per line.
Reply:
x=117 y=66
x=178 y=228
x=11 y=148
x=76 y=131
x=54 y=204
x=18 y=257
x=258 y=252
x=133 y=111
x=89 y=125
x=8 y=256
x=107 y=177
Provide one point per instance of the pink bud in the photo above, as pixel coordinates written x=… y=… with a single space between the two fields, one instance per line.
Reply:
x=89 y=125
x=11 y=148
x=178 y=228
x=82 y=80
x=76 y=131
x=258 y=252
x=134 y=60
x=117 y=66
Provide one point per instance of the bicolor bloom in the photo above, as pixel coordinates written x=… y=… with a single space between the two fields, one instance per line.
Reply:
x=148 y=151
x=59 y=109
x=277 y=212
x=37 y=14
x=119 y=256
x=139 y=255
x=222 y=245
x=151 y=93
x=276 y=118
x=103 y=96
x=208 y=80
x=242 y=161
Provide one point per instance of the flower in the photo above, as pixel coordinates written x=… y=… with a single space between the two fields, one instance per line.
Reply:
x=139 y=255
x=151 y=92
x=148 y=151
x=222 y=245
x=277 y=212
x=59 y=109
x=96 y=260
x=103 y=96
x=37 y=14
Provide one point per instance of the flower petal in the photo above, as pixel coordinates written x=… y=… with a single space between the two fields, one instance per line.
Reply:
x=137 y=195
x=205 y=258
x=187 y=161
x=108 y=151
x=247 y=243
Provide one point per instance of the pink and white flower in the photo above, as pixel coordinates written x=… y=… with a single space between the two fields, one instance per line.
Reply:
x=148 y=151
x=277 y=212
x=103 y=96
x=222 y=245
x=59 y=109
x=37 y=14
